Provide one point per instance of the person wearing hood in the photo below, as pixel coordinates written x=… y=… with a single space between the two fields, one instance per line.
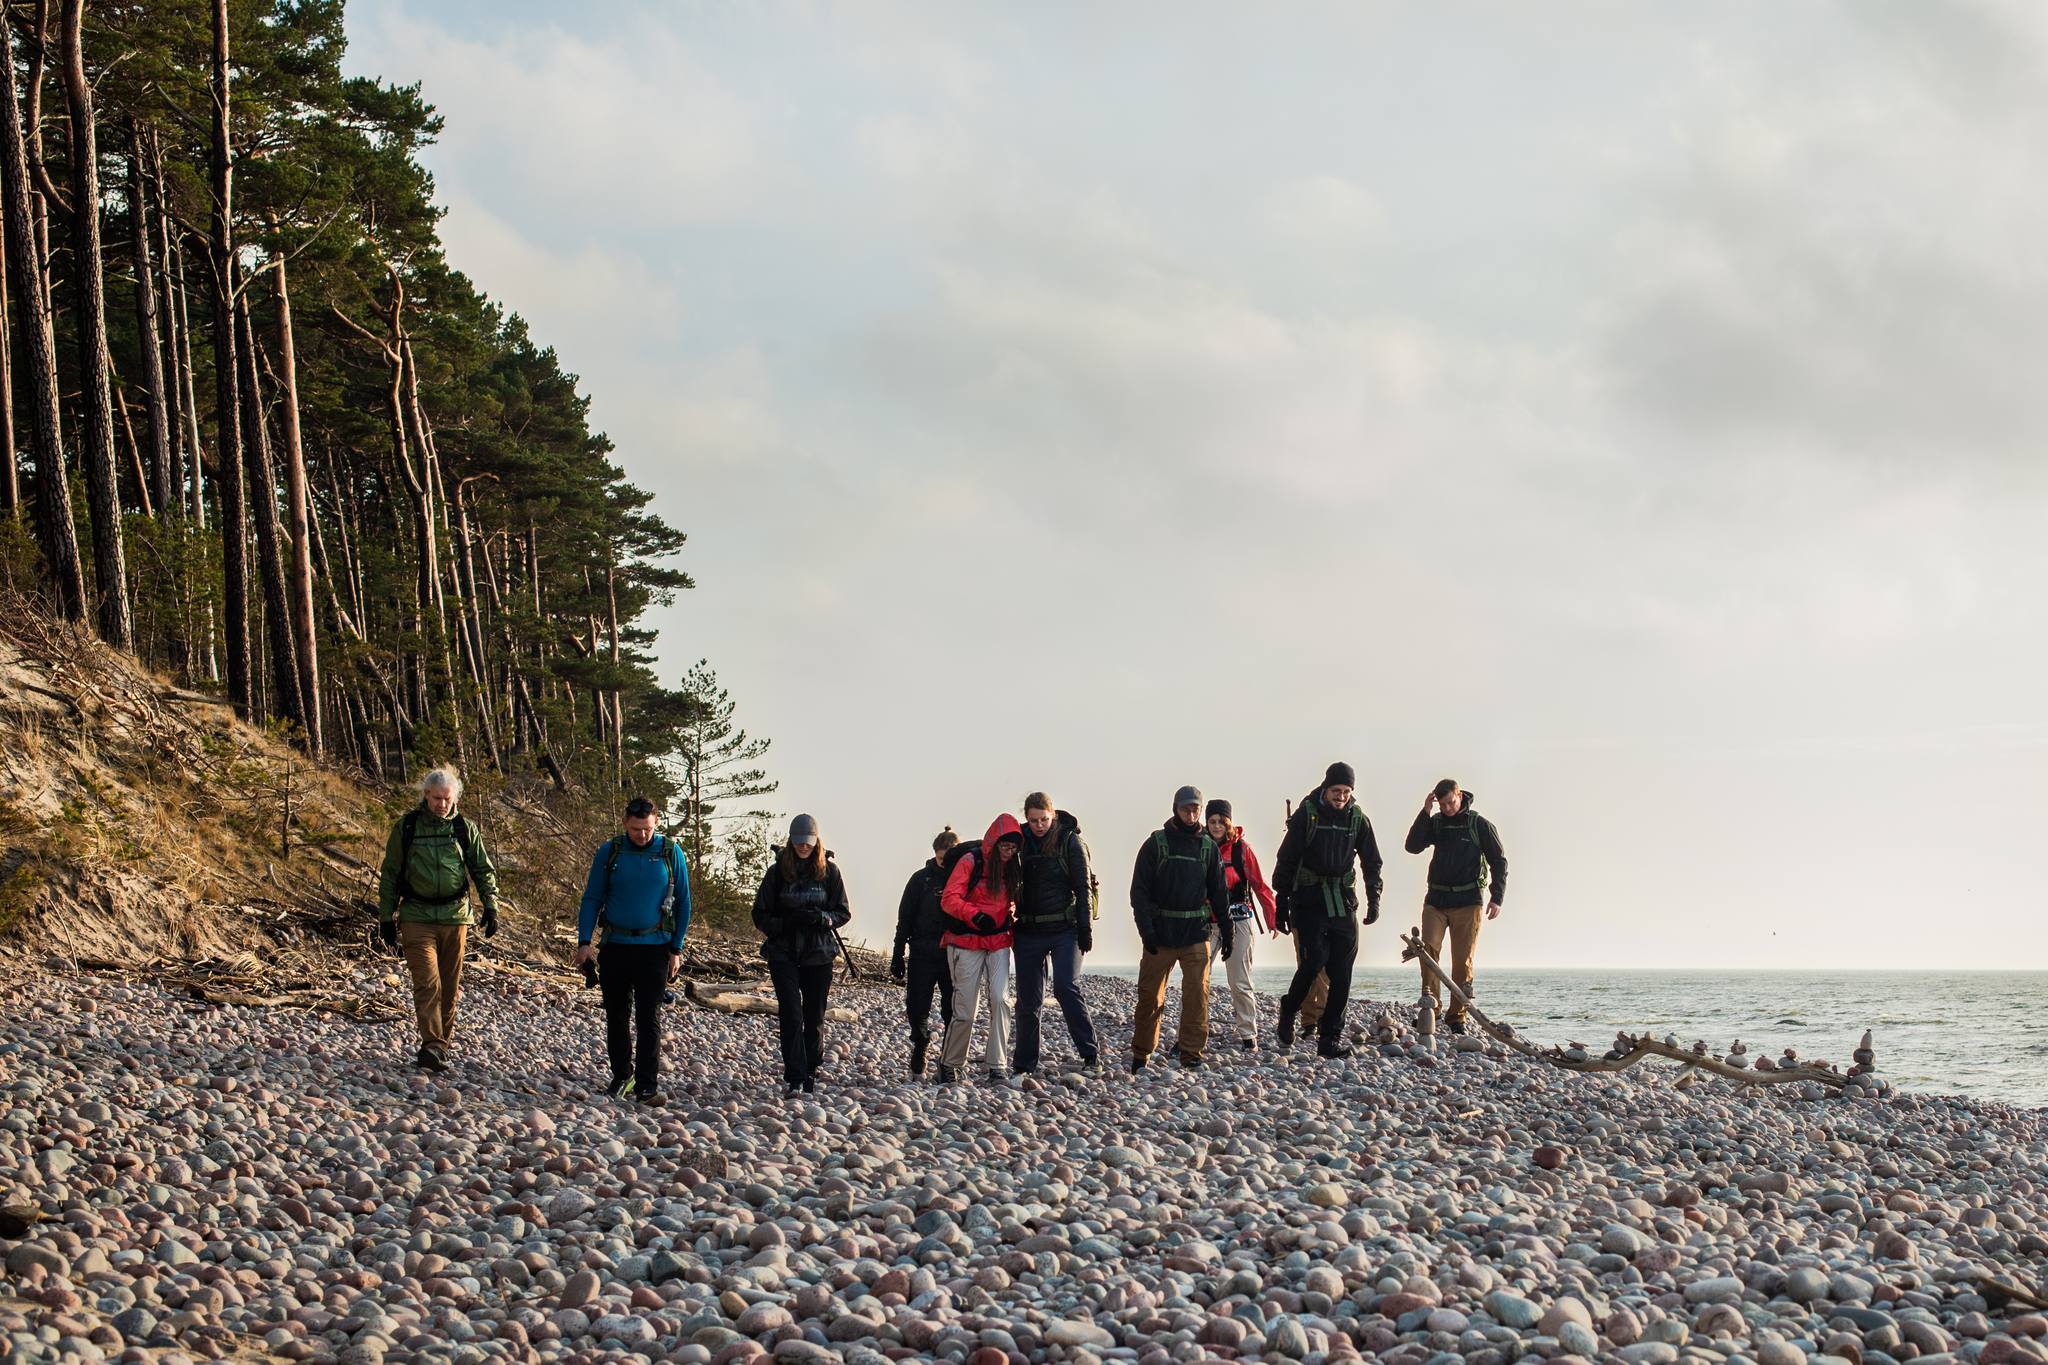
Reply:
x=1056 y=924
x=980 y=897
x=1467 y=857
x=799 y=910
x=1315 y=882
x=918 y=963
x=1251 y=901
x=1178 y=897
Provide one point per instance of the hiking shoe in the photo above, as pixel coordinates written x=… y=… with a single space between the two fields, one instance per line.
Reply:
x=996 y=1075
x=947 y=1075
x=810 y=1085
x=619 y=1087
x=1191 y=1064
x=1250 y=1045
x=1091 y=1066
x=650 y=1097
x=1336 y=1052
x=1137 y=1065
x=920 y=1048
x=791 y=1089
x=431 y=1060
x=1286 y=1026
x=1455 y=1024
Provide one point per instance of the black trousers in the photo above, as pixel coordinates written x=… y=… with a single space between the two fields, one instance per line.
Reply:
x=800 y=991
x=924 y=973
x=1323 y=943
x=633 y=977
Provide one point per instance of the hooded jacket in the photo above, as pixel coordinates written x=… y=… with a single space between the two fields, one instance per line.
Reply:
x=433 y=884
x=1316 y=858
x=1054 y=895
x=921 y=921
x=1251 y=883
x=986 y=896
x=1177 y=889
x=797 y=911
x=1467 y=851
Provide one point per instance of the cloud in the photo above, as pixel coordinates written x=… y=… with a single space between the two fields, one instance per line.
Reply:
x=1323 y=209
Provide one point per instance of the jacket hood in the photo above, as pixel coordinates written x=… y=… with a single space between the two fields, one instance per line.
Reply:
x=1065 y=823
x=1003 y=827
x=1467 y=804
x=1174 y=826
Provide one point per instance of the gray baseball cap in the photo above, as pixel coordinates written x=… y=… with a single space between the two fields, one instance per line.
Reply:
x=803 y=830
x=1187 y=796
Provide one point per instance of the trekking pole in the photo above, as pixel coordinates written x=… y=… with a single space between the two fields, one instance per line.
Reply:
x=846 y=953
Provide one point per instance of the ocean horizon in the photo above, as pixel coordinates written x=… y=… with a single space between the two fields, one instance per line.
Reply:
x=1973 y=1032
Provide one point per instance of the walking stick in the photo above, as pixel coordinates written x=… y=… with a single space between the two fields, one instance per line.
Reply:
x=846 y=953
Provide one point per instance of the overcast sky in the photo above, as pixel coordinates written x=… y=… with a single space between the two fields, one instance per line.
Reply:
x=1633 y=411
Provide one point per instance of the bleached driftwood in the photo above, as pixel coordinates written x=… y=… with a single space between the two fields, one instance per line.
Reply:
x=1640 y=1048
x=728 y=1001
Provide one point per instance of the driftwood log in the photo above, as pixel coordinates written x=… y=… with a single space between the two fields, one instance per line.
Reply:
x=1641 y=1048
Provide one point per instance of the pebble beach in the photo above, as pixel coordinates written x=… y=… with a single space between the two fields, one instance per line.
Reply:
x=192 y=1182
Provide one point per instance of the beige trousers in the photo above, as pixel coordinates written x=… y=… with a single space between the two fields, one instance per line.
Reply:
x=1462 y=925
x=975 y=974
x=433 y=954
x=1153 y=971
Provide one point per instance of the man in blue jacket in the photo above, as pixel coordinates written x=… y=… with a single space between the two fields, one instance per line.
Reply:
x=636 y=905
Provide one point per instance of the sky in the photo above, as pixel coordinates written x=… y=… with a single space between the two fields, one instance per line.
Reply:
x=1632 y=411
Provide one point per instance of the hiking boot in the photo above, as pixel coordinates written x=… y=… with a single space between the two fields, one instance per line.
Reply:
x=1022 y=1070
x=996 y=1076
x=791 y=1089
x=619 y=1087
x=1455 y=1024
x=1250 y=1045
x=920 y=1048
x=1091 y=1066
x=432 y=1060
x=947 y=1075
x=810 y=1085
x=1191 y=1064
x=1287 y=1024
x=650 y=1097
x=1336 y=1052
x=1137 y=1065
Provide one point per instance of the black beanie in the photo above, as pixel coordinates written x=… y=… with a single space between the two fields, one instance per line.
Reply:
x=1217 y=807
x=1340 y=775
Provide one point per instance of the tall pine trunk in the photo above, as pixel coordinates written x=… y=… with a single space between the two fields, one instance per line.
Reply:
x=10 y=459
x=102 y=482
x=234 y=531
x=147 y=341
x=287 y=697
x=299 y=508
x=58 y=533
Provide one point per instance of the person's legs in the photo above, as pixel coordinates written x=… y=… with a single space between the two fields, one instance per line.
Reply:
x=816 y=984
x=1464 y=926
x=1066 y=988
x=1194 y=1001
x=1152 y=970
x=967 y=968
x=650 y=981
x=1434 y=925
x=945 y=992
x=1032 y=953
x=416 y=942
x=1244 y=1000
x=1318 y=999
x=1308 y=962
x=616 y=985
x=449 y=941
x=1341 y=953
x=924 y=975
x=789 y=1018
x=997 y=977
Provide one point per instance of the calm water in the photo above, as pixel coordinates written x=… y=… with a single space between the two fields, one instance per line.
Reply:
x=1972 y=1033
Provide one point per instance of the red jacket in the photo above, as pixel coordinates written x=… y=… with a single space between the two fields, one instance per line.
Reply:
x=1251 y=874
x=988 y=896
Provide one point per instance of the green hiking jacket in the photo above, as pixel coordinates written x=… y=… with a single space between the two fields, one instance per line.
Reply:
x=433 y=889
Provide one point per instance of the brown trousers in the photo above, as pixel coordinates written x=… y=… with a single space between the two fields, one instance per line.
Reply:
x=1153 y=971
x=433 y=954
x=1463 y=926
x=1312 y=1007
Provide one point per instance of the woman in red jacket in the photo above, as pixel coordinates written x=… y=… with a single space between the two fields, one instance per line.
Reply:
x=981 y=892
x=1246 y=884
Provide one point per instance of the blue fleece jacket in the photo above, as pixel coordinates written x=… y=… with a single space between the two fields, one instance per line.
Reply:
x=629 y=900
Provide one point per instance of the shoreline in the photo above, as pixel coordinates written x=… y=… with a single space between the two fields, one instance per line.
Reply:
x=219 y=1179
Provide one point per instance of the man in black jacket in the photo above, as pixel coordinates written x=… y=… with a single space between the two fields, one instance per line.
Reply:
x=919 y=961
x=1468 y=856
x=1316 y=884
x=1178 y=895
x=1056 y=925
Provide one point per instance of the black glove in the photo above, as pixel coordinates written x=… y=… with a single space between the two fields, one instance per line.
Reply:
x=1084 y=937
x=490 y=921
x=589 y=970
x=1148 y=945
x=1372 y=914
x=388 y=931
x=1281 y=923
x=822 y=918
x=984 y=921
x=1229 y=942
x=896 y=966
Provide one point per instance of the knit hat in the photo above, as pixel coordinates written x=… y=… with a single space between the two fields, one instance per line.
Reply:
x=1187 y=796
x=1340 y=775
x=803 y=829
x=1217 y=807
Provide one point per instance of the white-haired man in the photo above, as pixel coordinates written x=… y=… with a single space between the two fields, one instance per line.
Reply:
x=434 y=856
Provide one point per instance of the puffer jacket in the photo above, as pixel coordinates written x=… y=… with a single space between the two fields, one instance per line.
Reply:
x=797 y=911
x=969 y=894
x=433 y=887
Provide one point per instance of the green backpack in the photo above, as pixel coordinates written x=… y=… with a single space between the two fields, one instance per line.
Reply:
x=1163 y=849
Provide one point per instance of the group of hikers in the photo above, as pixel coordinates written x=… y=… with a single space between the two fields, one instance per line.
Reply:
x=1022 y=900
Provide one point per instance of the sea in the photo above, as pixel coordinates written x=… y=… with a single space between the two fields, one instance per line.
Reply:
x=1983 y=1034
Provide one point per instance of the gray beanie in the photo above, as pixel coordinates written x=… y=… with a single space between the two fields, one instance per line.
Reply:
x=802 y=828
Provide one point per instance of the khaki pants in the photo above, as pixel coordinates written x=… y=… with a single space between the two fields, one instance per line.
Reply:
x=1153 y=971
x=1463 y=927
x=976 y=973
x=1312 y=1006
x=433 y=954
x=1244 y=1001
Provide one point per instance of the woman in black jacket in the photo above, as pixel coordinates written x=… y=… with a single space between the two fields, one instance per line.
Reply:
x=799 y=909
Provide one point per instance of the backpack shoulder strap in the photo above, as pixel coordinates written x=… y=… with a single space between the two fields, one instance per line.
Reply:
x=465 y=835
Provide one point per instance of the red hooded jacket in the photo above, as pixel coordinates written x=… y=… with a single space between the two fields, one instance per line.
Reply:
x=1226 y=850
x=988 y=896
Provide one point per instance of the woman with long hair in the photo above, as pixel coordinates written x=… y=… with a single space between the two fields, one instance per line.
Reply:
x=799 y=909
x=981 y=896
